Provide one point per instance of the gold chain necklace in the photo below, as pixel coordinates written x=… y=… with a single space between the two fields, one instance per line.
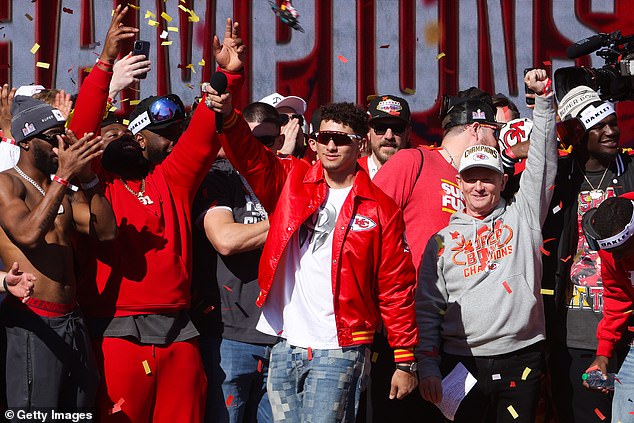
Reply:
x=595 y=193
x=143 y=199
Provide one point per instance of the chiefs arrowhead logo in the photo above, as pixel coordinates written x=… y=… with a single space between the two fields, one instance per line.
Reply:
x=362 y=223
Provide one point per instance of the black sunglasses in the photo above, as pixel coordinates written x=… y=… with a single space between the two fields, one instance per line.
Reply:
x=381 y=128
x=284 y=119
x=339 y=138
x=51 y=138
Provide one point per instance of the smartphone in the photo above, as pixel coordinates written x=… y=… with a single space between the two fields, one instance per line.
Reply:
x=141 y=47
x=529 y=101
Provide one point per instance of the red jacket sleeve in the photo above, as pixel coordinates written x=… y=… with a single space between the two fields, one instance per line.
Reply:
x=617 y=305
x=264 y=170
x=91 y=102
x=396 y=288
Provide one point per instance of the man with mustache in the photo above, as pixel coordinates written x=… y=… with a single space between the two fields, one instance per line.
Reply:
x=389 y=131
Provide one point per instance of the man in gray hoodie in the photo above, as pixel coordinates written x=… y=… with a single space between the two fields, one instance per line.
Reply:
x=478 y=300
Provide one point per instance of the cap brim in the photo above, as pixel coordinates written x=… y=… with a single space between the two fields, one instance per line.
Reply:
x=472 y=166
x=295 y=103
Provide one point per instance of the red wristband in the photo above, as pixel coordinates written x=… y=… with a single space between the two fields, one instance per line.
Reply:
x=64 y=182
x=105 y=64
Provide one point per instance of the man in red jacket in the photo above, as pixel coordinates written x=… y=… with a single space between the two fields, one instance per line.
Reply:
x=334 y=265
x=609 y=228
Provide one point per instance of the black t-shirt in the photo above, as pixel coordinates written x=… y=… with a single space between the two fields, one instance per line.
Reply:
x=225 y=288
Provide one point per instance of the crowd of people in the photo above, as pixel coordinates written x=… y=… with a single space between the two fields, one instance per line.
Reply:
x=239 y=264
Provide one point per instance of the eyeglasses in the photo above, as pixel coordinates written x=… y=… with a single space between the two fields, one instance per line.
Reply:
x=51 y=137
x=284 y=118
x=169 y=107
x=381 y=128
x=339 y=138
x=267 y=140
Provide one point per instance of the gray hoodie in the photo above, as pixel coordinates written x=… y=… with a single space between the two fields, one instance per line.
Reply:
x=479 y=284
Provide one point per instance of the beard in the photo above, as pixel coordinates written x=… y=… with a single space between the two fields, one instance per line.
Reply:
x=47 y=163
x=124 y=158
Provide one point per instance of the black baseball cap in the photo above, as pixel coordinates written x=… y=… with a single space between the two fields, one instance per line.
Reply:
x=389 y=106
x=155 y=113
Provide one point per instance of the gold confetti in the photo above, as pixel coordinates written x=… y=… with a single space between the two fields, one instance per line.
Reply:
x=202 y=62
x=152 y=23
x=409 y=91
x=183 y=8
x=193 y=17
x=191 y=66
x=513 y=412
x=112 y=109
x=149 y=14
x=134 y=7
x=375 y=356
x=43 y=65
x=190 y=86
x=547 y=291
x=166 y=43
x=172 y=28
x=440 y=55
x=29 y=17
x=167 y=17
x=35 y=48
x=134 y=102
x=126 y=122
x=146 y=367
x=525 y=373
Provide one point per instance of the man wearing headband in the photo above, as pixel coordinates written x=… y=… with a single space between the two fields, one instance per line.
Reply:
x=478 y=301
x=137 y=288
x=610 y=227
x=592 y=172
x=335 y=264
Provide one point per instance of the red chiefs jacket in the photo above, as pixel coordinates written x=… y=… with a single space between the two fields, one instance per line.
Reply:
x=373 y=277
x=618 y=298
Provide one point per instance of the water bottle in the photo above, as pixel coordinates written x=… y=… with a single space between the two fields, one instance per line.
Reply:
x=595 y=380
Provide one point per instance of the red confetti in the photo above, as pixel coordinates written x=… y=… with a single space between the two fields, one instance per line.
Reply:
x=116 y=407
x=259 y=366
x=67 y=10
x=229 y=400
x=547 y=63
x=228 y=288
x=549 y=239
x=552 y=187
x=208 y=309
x=630 y=328
x=384 y=46
x=631 y=412
x=342 y=58
x=310 y=353
x=565 y=259
x=512 y=384
x=599 y=414
x=544 y=251
x=507 y=287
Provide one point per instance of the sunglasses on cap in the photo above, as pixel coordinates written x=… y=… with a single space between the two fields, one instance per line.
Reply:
x=339 y=138
x=380 y=128
x=284 y=119
x=166 y=108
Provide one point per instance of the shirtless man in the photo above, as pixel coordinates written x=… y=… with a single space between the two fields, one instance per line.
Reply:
x=50 y=360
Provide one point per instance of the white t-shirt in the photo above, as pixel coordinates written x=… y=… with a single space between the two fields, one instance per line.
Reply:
x=300 y=306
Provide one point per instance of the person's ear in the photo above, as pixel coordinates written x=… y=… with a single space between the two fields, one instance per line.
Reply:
x=505 y=179
x=141 y=140
x=312 y=144
x=363 y=145
x=25 y=145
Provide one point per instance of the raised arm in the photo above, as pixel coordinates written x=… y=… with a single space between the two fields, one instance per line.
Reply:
x=541 y=165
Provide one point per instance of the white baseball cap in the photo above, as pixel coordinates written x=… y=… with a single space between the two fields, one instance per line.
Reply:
x=29 y=90
x=278 y=100
x=481 y=156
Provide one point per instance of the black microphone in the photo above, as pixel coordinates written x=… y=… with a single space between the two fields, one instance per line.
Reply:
x=586 y=46
x=218 y=82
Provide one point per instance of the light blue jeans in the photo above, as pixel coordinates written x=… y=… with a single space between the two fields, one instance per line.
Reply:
x=622 y=403
x=236 y=372
x=322 y=388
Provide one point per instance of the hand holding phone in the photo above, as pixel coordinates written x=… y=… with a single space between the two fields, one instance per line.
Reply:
x=141 y=47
